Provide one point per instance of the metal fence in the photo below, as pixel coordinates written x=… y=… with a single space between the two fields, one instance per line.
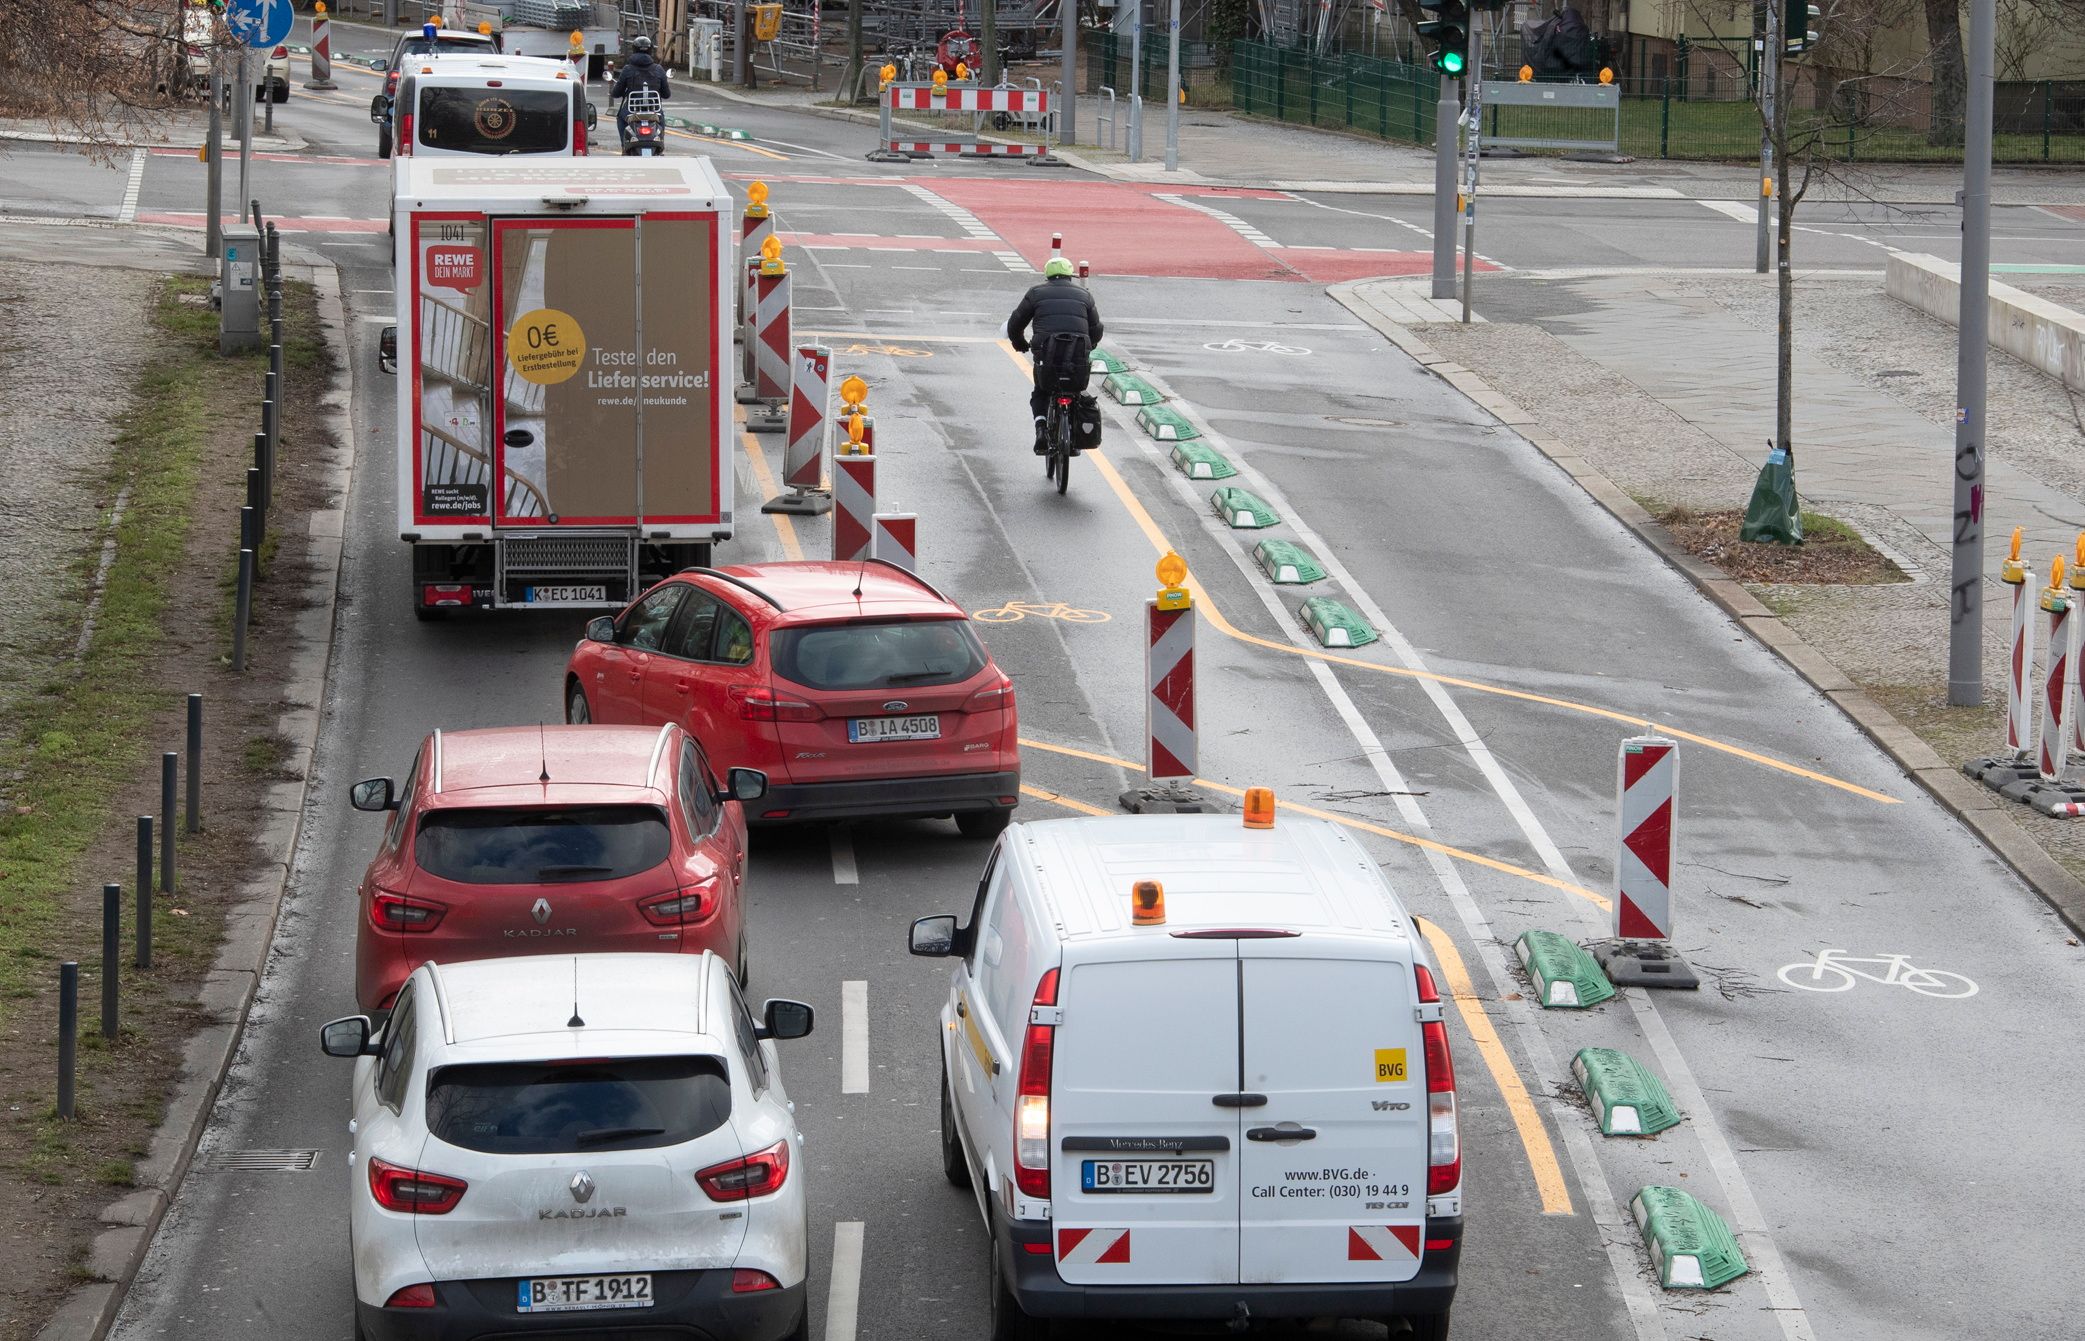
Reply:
x=2039 y=122
x=1108 y=60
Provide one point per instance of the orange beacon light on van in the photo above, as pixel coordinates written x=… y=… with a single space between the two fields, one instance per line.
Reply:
x=1259 y=807
x=1147 y=903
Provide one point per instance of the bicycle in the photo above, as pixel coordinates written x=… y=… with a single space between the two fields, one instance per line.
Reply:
x=1057 y=437
x=1015 y=611
x=1898 y=971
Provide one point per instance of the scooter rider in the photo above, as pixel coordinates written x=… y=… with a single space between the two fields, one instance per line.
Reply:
x=1057 y=306
x=641 y=72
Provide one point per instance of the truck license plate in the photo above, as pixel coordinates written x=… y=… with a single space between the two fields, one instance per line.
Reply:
x=1148 y=1175
x=561 y=595
x=571 y=1294
x=862 y=730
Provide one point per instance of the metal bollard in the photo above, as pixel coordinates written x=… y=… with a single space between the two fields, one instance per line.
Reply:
x=244 y=610
x=268 y=438
x=68 y=1033
x=144 y=888
x=111 y=958
x=195 y=766
x=246 y=540
x=169 y=769
x=257 y=499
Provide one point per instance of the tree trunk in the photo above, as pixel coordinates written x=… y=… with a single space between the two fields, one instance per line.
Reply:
x=851 y=80
x=1784 y=280
x=1950 y=75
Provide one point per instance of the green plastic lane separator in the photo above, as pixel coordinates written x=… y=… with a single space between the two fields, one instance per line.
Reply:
x=1166 y=424
x=1106 y=364
x=717 y=132
x=1199 y=461
x=1627 y=1098
x=1691 y=1247
x=1126 y=388
x=1286 y=562
x=1242 y=509
x=1334 y=623
x=1566 y=977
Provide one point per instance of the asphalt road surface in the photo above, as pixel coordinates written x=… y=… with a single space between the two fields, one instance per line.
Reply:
x=1886 y=1154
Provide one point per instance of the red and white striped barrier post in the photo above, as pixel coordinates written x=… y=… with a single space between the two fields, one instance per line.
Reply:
x=854 y=503
x=2073 y=702
x=1172 y=753
x=2019 y=695
x=1646 y=805
x=810 y=421
x=2055 y=741
x=755 y=227
x=771 y=344
x=895 y=539
x=1085 y=272
x=321 y=49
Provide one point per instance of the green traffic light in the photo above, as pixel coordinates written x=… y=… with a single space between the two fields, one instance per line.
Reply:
x=1451 y=62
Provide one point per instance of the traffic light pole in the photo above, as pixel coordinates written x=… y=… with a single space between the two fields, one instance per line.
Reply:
x=1447 y=113
x=1965 y=642
x=1769 y=78
x=1475 y=132
x=213 y=189
x=1173 y=91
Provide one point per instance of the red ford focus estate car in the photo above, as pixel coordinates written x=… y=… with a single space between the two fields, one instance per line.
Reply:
x=857 y=688
x=525 y=839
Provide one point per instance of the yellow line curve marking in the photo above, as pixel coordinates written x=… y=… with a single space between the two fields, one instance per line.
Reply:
x=1476 y=1021
x=1224 y=626
x=785 y=529
x=1069 y=803
x=1395 y=835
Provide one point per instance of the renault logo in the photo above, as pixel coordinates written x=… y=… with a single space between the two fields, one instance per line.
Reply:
x=540 y=911
x=896 y=705
x=582 y=1187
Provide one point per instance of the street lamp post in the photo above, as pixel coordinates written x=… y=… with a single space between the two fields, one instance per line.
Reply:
x=1965 y=659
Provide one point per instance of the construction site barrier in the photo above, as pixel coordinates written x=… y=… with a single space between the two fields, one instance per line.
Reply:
x=1034 y=107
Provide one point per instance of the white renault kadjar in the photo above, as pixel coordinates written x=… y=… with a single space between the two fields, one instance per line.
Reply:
x=593 y=1142
x=1196 y=1069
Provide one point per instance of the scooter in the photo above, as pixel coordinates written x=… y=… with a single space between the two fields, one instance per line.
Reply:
x=644 y=123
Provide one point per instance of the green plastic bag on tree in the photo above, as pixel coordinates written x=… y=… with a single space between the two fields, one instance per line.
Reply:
x=1772 y=516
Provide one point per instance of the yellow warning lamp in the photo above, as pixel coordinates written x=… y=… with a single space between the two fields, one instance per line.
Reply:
x=857 y=427
x=2014 y=569
x=756 y=201
x=1766 y=188
x=1527 y=74
x=2053 y=598
x=1606 y=75
x=435 y=19
x=319 y=8
x=771 y=257
x=886 y=75
x=940 y=82
x=962 y=71
x=2078 y=568
x=853 y=393
x=202 y=153
x=1172 y=579
x=485 y=29
x=1147 y=904
x=1259 y=807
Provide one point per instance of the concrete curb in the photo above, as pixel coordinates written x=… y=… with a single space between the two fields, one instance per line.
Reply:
x=1958 y=795
x=287 y=142
x=228 y=989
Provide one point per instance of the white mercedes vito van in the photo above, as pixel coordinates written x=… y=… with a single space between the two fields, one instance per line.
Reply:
x=1194 y=1067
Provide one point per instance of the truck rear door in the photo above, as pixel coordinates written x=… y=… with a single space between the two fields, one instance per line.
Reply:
x=1333 y=1165
x=1145 y=1177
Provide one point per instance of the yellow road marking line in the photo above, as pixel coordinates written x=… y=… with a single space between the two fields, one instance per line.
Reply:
x=734 y=144
x=1224 y=626
x=913 y=339
x=1427 y=844
x=1476 y=1021
x=785 y=529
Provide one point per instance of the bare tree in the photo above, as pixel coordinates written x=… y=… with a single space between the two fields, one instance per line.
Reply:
x=1950 y=71
x=89 y=69
x=2026 y=27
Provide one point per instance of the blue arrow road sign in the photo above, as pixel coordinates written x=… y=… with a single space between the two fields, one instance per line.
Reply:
x=259 y=23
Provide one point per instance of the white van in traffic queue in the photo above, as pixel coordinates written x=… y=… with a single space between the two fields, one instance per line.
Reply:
x=1197 y=1069
x=470 y=104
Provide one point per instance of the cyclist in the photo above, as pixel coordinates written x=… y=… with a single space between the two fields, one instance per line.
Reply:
x=641 y=72
x=1058 y=324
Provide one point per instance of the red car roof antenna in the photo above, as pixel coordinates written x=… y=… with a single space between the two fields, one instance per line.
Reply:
x=543 y=751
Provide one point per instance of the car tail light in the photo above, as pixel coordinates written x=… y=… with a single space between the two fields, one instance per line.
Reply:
x=645 y=129
x=402 y=912
x=1032 y=1101
x=494 y=83
x=445 y=593
x=412 y=1296
x=744 y=1280
x=279 y=54
x=1443 y=1129
x=756 y=1175
x=413 y=1191
x=760 y=705
x=578 y=134
x=405 y=133
x=993 y=696
x=391 y=83
x=682 y=905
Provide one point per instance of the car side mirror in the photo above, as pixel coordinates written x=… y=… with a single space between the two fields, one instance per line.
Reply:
x=934 y=937
x=346 y=1037
x=380 y=63
x=601 y=629
x=387 y=350
x=373 y=794
x=379 y=108
x=593 y=115
x=784 y=1019
x=746 y=785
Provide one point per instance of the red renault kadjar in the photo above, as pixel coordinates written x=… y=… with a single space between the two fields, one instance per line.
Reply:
x=857 y=688
x=529 y=840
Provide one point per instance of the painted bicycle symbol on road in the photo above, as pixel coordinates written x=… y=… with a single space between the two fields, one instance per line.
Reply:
x=1235 y=346
x=1015 y=611
x=1836 y=971
x=859 y=350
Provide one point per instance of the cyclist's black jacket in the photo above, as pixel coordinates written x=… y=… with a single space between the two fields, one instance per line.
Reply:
x=1053 y=307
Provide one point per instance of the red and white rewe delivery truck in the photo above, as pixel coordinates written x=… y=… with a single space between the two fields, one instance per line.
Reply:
x=564 y=408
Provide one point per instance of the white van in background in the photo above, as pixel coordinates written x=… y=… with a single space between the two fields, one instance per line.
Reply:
x=1196 y=1068
x=484 y=105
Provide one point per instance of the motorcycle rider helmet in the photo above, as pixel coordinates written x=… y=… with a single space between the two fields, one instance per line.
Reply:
x=643 y=44
x=1058 y=268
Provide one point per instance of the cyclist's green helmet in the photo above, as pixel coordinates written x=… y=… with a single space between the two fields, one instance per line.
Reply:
x=1058 y=268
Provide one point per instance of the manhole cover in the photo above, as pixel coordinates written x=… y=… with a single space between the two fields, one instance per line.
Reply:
x=266 y=1161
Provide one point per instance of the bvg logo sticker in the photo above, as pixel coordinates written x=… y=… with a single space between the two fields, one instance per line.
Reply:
x=1390 y=1066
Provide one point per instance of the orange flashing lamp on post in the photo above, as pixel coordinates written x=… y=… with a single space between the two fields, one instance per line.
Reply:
x=2014 y=569
x=1147 y=903
x=1259 y=807
x=756 y=200
x=771 y=256
x=1172 y=577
